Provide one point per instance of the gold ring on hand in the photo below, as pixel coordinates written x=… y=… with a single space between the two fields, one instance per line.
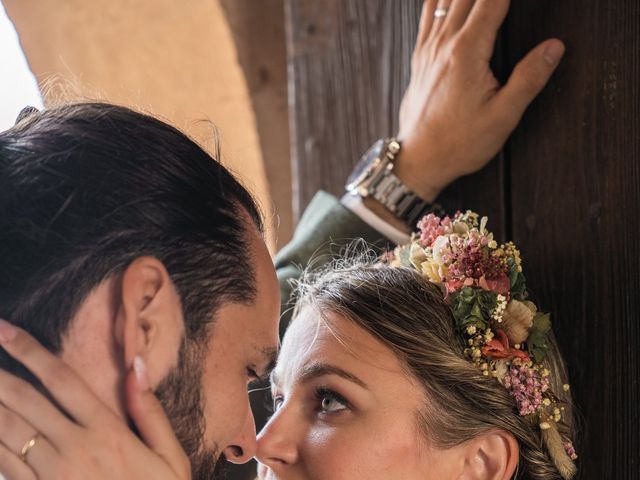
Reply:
x=29 y=444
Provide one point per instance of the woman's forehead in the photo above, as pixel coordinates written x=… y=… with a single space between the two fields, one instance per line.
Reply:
x=315 y=337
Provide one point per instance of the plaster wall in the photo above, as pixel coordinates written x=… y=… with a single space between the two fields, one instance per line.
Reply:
x=176 y=60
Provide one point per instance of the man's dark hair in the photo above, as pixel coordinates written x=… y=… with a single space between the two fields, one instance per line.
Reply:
x=87 y=188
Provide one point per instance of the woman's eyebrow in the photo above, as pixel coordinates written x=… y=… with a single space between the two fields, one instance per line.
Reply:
x=315 y=370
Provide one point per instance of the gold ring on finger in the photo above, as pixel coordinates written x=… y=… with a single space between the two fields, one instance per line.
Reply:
x=29 y=444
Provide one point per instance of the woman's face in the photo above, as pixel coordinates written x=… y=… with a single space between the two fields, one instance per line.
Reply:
x=344 y=408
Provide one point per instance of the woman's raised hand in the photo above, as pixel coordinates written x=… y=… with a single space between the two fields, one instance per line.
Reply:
x=38 y=441
x=455 y=116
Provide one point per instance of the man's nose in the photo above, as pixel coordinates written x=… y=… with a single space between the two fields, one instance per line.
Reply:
x=244 y=447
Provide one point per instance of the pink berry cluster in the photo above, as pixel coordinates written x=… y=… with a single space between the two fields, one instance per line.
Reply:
x=472 y=258
x=526 y=386
x=431 y=227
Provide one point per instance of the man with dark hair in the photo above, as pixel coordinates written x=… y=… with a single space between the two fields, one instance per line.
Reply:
x=143 y=241
x=123 y=245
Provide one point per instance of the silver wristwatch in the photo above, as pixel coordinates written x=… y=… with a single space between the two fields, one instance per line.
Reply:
x=373 y=176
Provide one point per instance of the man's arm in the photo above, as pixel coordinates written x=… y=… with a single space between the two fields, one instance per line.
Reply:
x=324 y=231
x=454 y=117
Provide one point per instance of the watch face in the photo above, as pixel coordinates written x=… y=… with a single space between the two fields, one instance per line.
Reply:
x=363 y=169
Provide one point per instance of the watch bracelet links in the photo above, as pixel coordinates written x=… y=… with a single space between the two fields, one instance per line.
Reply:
x=402 y=202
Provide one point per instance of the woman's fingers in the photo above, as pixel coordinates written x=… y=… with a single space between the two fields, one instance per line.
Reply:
x=528 y=78
x=483 y=24
x=152 y=422
x=12 y=467
x=99 y=445
x=21 y=398
x=58 y=378
x=27 y=451
x=15 y=432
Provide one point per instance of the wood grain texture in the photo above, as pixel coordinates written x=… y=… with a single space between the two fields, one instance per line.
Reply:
x=575 y=184
x=349 y=64
x=566 y=187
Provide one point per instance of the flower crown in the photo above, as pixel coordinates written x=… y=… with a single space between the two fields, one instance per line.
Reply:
x=504 y=334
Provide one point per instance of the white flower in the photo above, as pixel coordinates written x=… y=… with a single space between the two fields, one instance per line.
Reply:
x=501 y=368
x=438 y=248
x=417 y=255
x=461 y=228
x=434 y=272
x=483 y=224
x=517 y=320
x=501 y=306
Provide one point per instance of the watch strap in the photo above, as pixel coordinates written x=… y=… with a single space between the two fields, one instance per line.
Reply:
x=406 y=205
x=374 y=177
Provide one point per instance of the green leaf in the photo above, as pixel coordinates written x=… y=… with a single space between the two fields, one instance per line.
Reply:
x=476 y=310
x=513 y=272
x=472 y=306
x=517 y=286
x=404 y=255
x=537 y=341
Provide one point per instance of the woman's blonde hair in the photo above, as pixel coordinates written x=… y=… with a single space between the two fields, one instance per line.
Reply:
x=408 y=314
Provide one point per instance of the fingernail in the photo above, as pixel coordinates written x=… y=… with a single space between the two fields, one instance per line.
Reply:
x=7 y=331
x=142 y=376
x=553 y=53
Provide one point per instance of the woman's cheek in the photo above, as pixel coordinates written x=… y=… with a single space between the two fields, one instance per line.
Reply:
x=336 y=453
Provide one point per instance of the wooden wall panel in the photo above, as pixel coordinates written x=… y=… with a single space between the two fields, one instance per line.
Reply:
x=575 y=197
x=349 y=64
x=566 y=187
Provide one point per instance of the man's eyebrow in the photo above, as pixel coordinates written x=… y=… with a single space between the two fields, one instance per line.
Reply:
x=316 y=370
x=270 y=356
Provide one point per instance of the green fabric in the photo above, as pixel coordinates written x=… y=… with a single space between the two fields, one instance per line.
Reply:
x=325 y=229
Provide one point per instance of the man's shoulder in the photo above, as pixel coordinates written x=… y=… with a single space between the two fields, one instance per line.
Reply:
x=326 y=221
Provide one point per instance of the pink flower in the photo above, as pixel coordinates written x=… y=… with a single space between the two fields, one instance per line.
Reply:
x=471 y=259
x=454 y=285
x=499 y=284
x=431 y=227
x=570 y=449
x=526 y=387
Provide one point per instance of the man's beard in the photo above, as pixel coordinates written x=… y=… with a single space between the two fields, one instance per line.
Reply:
x=180 y=393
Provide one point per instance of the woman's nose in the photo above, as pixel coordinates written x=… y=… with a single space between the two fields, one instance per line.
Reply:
x=277 y=441
x=244 y=447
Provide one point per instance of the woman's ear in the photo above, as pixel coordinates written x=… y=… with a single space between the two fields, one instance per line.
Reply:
x=149 y=321
x=491 y=456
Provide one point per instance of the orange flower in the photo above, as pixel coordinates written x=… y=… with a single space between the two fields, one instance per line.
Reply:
x=499 y=348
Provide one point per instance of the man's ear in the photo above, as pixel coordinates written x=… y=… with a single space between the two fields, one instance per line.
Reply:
x=149 y=321
x=491 y=456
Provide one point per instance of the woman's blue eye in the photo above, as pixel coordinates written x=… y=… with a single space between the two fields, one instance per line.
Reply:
x=330 y=401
